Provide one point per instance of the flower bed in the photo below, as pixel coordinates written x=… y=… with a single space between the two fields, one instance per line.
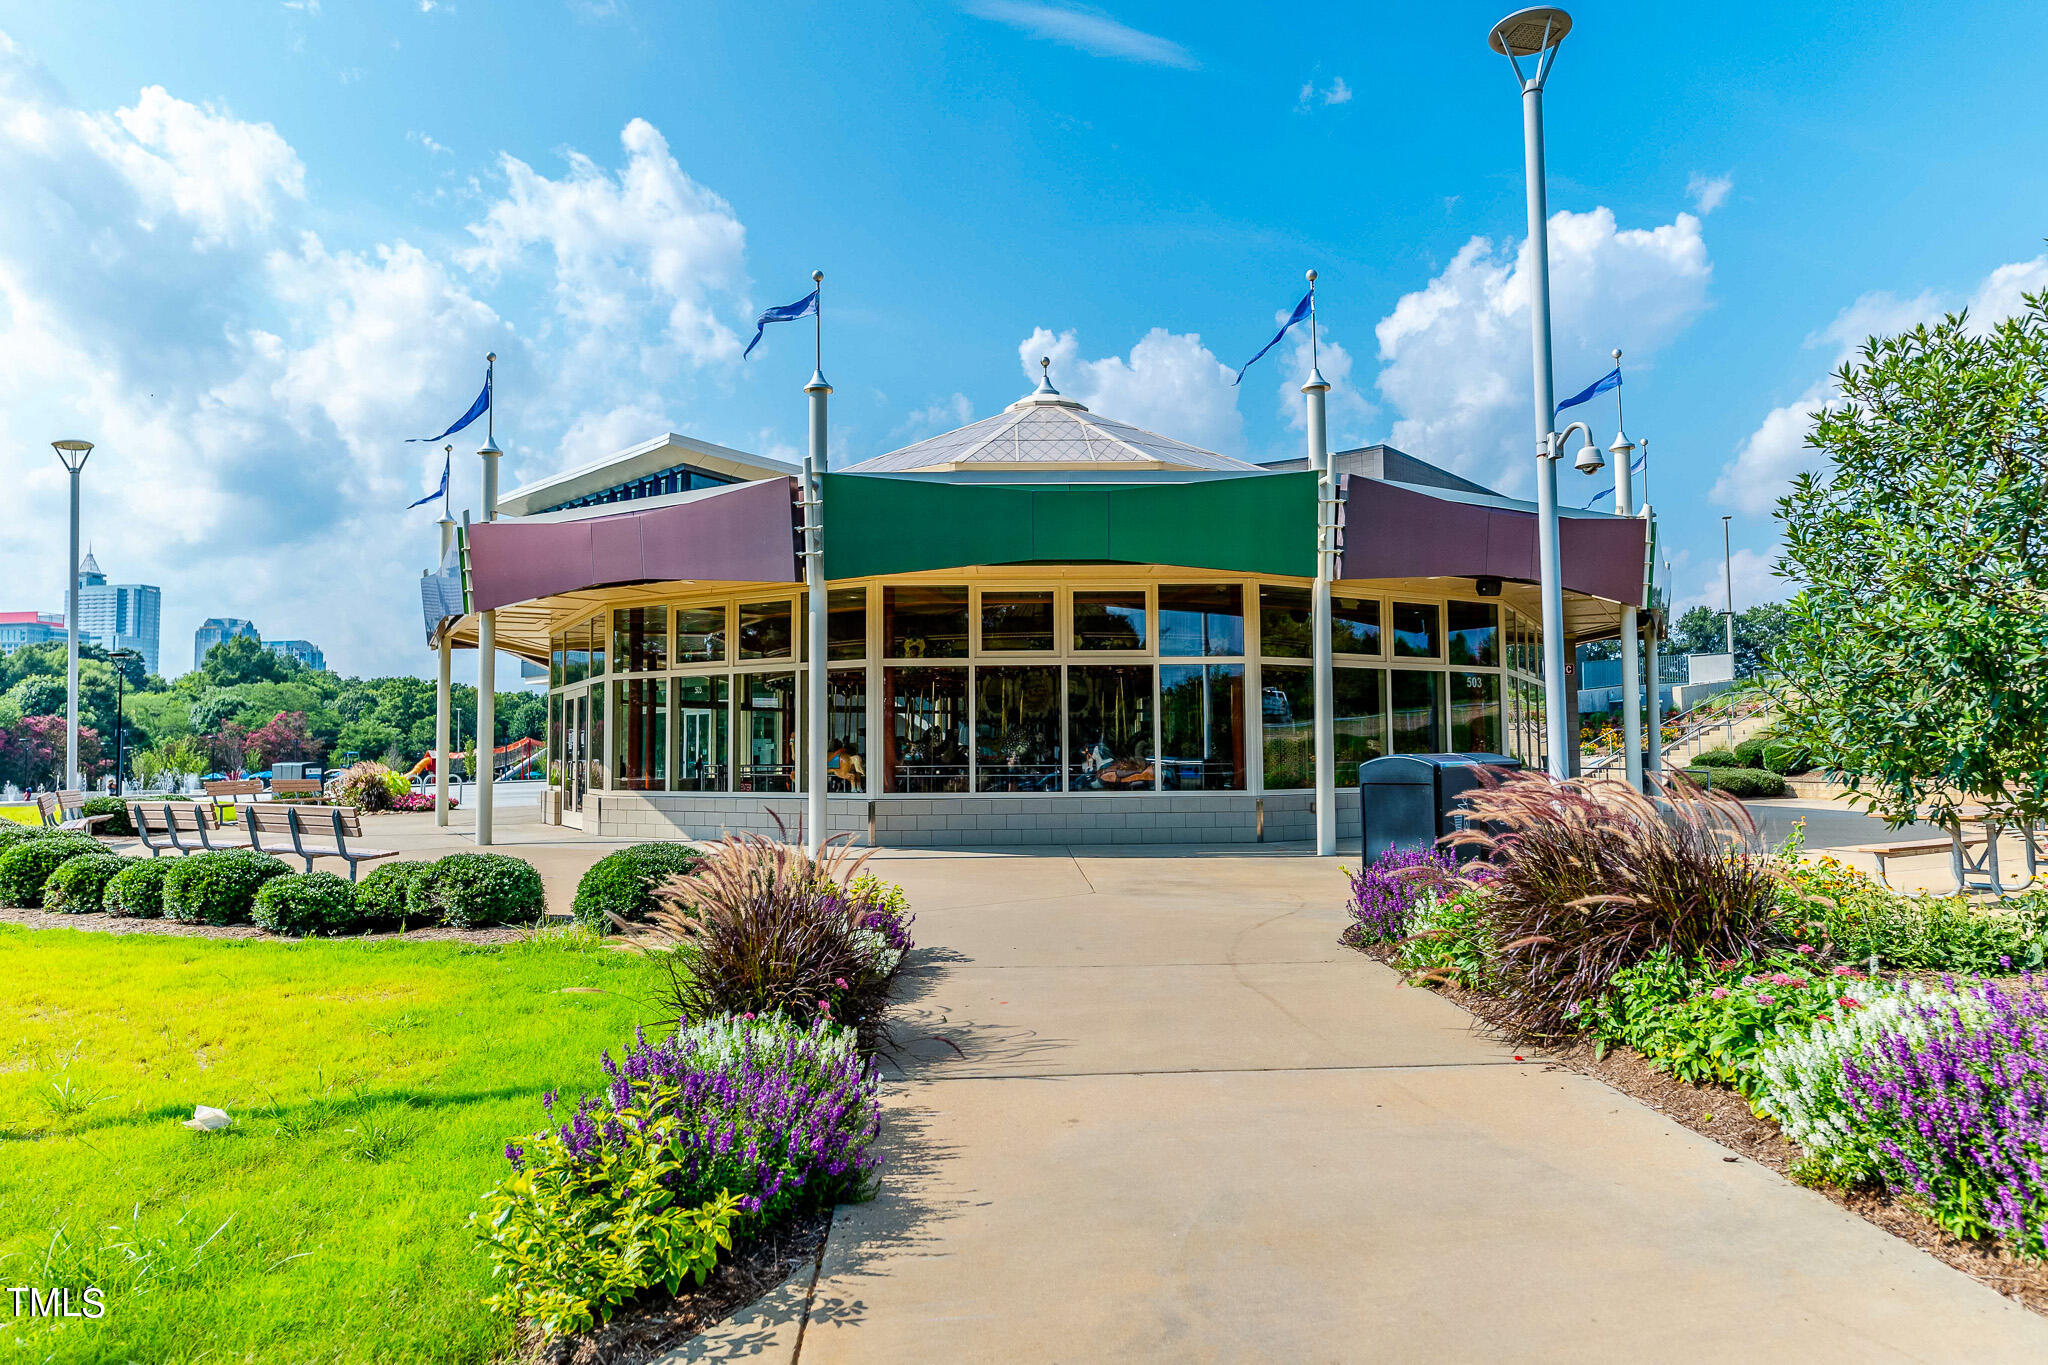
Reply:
x=1923 y=1098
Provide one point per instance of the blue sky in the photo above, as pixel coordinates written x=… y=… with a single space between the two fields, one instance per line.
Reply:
x=250 y=252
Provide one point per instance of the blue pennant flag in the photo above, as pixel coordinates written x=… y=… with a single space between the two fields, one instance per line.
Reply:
x=1635 y=468
x=1610 y=380
x=1300 y=312
x=788 y=312
x=440 y=492
x=476 y=410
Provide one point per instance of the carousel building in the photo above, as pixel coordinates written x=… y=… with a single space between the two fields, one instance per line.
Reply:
x=1047 y=626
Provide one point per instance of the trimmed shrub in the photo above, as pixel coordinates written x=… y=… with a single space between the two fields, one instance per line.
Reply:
x=306 y=903
x=621 y=885
x=77 y=886
x=12 y=834
x=385 y=896
x=479 y=890
x=25 y=867
x=120 y=827
x=218 y=887
x=137 y=890
x=1718 y=758
x=1746 y=783
x=367 y=786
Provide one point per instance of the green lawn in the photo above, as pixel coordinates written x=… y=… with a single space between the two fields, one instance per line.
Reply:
x=373 y=1088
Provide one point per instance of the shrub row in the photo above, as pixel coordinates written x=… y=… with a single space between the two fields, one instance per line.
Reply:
x=1747 y=783
x=622 y=885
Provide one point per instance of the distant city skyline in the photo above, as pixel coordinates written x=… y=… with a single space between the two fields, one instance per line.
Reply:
x=216 y=630
x=119 y=615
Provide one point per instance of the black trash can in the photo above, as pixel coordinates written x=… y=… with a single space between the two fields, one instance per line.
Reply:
x=1412 y=799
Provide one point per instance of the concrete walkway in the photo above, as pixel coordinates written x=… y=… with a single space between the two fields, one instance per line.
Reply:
x=1147 y=1109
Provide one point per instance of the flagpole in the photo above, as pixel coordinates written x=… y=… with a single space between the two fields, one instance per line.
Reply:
x=444 y=676
x=487 y=631
x=1316 y=391
x=815 y=740
x=1631 y=667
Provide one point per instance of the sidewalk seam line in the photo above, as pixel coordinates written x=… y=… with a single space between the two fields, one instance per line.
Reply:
x=1207 y=1071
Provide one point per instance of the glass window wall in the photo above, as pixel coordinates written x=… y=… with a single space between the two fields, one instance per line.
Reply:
x=1016 y=621
x=703 y=729
x=1201 y=727
x=1475 y=713
x=1418 y=711
x=926 y=712
x=640 y=639
x=700 y=635
x=1474 y=633
x=1109 y=728
x=1017 y=728
x=1360 y=719
x=767 y=731
x=640 y=743
x=764 y=630
x=1418 y=631
x=924 y=623
x=1203 y=620
x=846 y=734
x=1355 y=625
x=1109 y=620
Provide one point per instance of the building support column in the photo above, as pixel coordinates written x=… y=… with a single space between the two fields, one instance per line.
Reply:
x=442 y=690
x=484 y=779
x=816 y=738
x=1652 y=644
x=1316 y=391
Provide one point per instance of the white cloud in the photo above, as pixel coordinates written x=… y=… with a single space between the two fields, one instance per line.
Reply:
x=1708 y=192
x=250 y=385
x=1171 y=384
x=1347 y=411
x=1751 y=572
x=1768 y=459
x=1336 y=92
x=1091 y=31
x=649 y=238
x=1454 y=355
x=432 y=147
x=941 y=414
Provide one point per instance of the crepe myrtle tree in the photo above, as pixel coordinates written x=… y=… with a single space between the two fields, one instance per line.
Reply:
x=1915 y=663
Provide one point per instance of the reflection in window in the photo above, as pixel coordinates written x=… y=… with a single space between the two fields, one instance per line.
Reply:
x=926 y=743
x=846 y=735
x=1109 y=727
x=703 y=723
x=1474 y=634
x=1203 y=619
x=846 y=624
x=1360 y=720
x=924 y=623
x=595 y=632
x=1355 y=625
x=595 y=752
x=1418 y=631
x=1201 y=727
x=764 y=630
x=1286 y=622
x=1017 y=729
x=1475 y=713
x=1109 y=620
x=640 y=639
x=1287 y=708
x=576 y=665
x=640 y=712
x=1418 y=711
x=558 y=661
x=700 y=635
x=767 y=731
x=555 y=741
x=1016 y=620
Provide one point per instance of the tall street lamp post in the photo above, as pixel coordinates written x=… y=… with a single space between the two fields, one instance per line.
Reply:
x=120 y=659
x=1728 y=585
x=1535 y=33
x=73 y=454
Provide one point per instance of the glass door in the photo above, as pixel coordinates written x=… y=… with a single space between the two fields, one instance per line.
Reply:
x=575 y=752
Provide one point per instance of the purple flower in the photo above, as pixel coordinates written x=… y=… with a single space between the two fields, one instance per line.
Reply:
x=1385 y=894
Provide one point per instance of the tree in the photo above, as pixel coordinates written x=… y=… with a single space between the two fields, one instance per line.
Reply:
x=32 y=752
x=284 y=739
x=243 y=660
x=1915 y=660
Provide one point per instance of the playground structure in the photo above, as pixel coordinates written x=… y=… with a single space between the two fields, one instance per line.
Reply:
x=517 y=761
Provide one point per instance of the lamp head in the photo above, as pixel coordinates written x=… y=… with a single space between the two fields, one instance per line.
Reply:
x=72 y=453
x=1528 y=32
x=1589 y=460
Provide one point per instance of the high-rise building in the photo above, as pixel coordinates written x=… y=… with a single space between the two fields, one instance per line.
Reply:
x=305 y=651
x=118 y=615
x=217 y=630
x=18 y=628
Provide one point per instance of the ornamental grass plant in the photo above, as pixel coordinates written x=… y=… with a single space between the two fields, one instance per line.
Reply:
x=1589 y=877
x=760 y=927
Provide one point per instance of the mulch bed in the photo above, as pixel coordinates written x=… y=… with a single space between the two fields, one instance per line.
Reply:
x=117 y=924
x=1719 y=1113
x=653 y=1326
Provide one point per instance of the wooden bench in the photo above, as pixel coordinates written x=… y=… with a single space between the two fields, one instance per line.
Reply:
x=66 y=810
x=296 y=823
x=227 y=794
x=179 y=827
x=294 y=788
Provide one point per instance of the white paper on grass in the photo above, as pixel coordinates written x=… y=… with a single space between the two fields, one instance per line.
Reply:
x=206 y=1119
